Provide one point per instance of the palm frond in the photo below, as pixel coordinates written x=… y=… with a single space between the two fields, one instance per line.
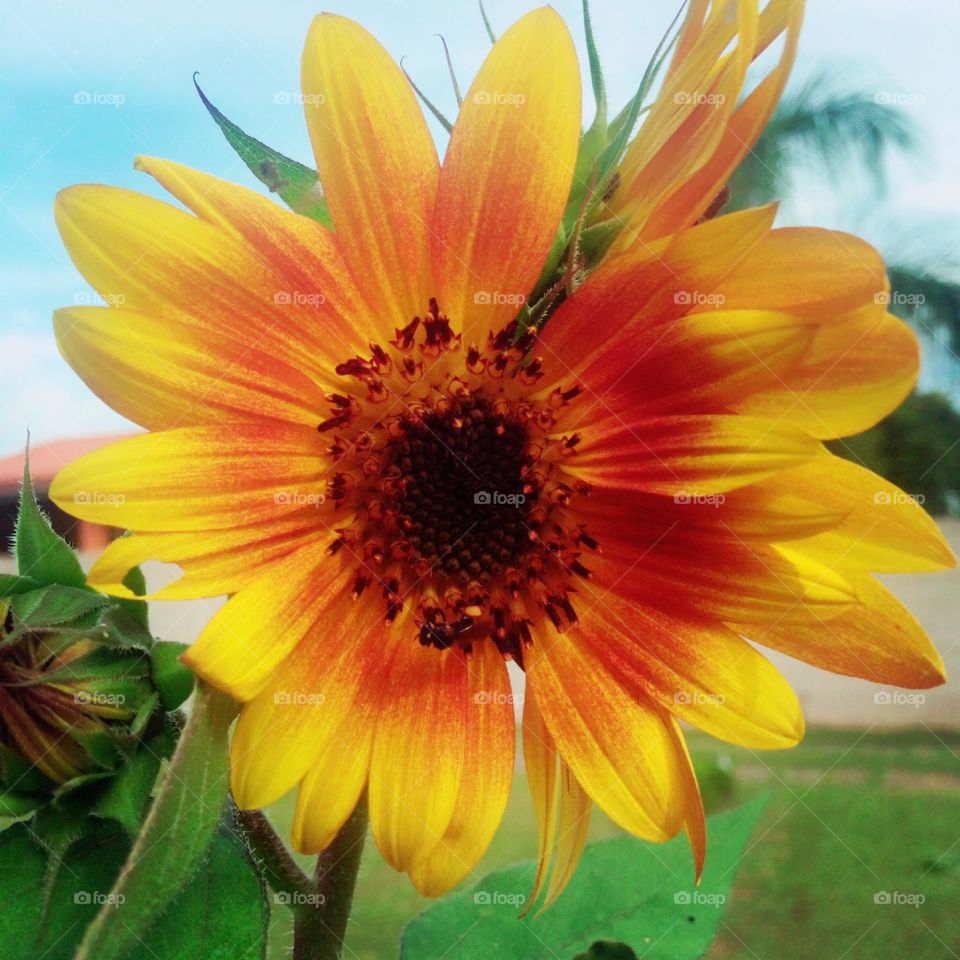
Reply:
x=824 y=128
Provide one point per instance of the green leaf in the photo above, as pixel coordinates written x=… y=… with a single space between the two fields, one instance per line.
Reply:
x=50 y=896
x=624 y=890
x=41 y=554
x=221 y=914
x=297 y=185
x=173 y=680
x=607 y=950
x=55 y=605
x=176 y=833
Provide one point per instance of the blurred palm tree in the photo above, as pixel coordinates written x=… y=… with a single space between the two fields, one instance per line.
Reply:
x=834 y=132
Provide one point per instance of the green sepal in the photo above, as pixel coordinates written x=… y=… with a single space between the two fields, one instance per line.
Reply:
x=42 y=555
x=296 y=184
x=55 y=605
x=15 y=804
x=11 y=584
x=173 y=680
x=136 y=583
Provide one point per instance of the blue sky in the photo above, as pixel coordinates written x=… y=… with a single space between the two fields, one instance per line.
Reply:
x=133 y=62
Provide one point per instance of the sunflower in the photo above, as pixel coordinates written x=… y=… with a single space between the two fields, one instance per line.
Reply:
x=403 y=488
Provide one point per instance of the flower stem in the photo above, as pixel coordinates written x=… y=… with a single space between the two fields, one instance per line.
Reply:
x=281 y=870
x=319 y=925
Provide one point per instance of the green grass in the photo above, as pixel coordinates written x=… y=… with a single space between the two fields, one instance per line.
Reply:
x=850 y=815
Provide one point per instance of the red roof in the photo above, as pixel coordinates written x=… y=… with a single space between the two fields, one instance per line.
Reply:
x=46 y=459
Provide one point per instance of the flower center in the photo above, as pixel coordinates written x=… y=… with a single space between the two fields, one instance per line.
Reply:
x=462 y=499
x=450 y=488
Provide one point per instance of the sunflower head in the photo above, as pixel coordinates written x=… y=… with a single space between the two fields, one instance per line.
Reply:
x=540 y=403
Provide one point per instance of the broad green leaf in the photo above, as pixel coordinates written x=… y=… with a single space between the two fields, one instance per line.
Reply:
x=296 y=184
x=41 y=554
x=221 y=914
x=176 y=833
x=49 y=896
x=623 y=891
x=607 y=950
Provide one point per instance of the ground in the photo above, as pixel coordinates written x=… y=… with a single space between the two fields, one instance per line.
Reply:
x=851 y=815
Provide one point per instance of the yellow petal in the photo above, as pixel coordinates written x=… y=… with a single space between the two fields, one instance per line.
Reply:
x=616 y=743
x=214 y=562
x=150 y=257
x=331 y=790
x=702 y=672
x=487 y=774
x=541 y=762
x=877 y=639
x=418 y=752
x=294 y=719
x=688 y=118
x=684 y=205
x=298 y=249
x=259 y=626
x=879 y=528
x=507 y=174
x=870 y=364
x=162 y=481
x=377 y=163
x=161 y=373
x=807 y=271
x=573 y=825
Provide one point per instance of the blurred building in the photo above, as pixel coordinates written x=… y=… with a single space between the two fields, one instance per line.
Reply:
x=46 y=459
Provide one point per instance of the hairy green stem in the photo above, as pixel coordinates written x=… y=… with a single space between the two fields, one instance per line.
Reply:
x=279 y=867
x=320 y=924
